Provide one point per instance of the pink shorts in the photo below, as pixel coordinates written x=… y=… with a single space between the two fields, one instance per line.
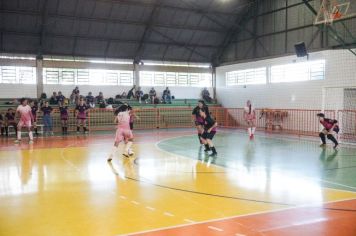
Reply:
x=250 y=117
x=123 y=134
x=25 y=123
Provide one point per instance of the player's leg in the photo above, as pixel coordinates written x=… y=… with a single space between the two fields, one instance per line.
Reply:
x=322 y=135
x=118 y=138
x=331 y=137
x=29 y=129
x=19 y=127
x=253 y=128
x=249 y=128
x=128 y=137
x=211 y=144
x=84 y=123
x=78 y=125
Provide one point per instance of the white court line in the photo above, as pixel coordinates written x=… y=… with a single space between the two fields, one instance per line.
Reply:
x=150 y=208
x=232 y=217
x=240 y=235
x=215 y=228
x=136 y=203
x=189 y=221
x=123 y=197
x=168 y=214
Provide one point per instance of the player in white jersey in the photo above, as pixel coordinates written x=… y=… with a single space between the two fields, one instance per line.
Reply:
x=250 y=118
x=123 y=132
x=24 y=111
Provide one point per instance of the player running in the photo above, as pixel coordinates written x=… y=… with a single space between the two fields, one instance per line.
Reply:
x=123 y=132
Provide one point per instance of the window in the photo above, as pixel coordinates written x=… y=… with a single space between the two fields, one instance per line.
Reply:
x=175 y=79
x=245 y=77
x=87 y=76
x=17 y=75
x=304 y=71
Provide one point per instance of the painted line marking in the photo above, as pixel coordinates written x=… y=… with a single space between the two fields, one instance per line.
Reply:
x=216 y=229
x=240 y=235
x=168 y=214
x=189 y=221
x=150 y=208
x=123 y=197
x=136 y=203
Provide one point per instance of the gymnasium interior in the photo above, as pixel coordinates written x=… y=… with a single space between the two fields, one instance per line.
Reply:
x=291 y=59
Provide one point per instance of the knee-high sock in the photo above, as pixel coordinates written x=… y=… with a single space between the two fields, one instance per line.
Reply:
x=249 y=130
x=322 y=137
x=19 y=135
x=128 y=146
x=333 y=139
x=213 y=149
x=30 y=134
x=253 y=130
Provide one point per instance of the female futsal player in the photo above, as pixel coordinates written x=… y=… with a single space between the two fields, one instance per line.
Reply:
x=209 y=131
x=34 y=110
x=123 y=132
x=197 y=119
x=63 y=110
x=331 y=128
x=250 y=118
x=81 y=114
x=25 y=113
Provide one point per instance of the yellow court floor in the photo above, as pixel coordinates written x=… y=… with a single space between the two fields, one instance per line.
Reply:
x=64 y=186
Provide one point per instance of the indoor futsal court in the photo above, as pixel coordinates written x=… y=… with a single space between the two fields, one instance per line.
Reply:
x=178 y=117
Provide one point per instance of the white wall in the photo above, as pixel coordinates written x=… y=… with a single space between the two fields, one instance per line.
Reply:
x=17 y=90
x=340 y=72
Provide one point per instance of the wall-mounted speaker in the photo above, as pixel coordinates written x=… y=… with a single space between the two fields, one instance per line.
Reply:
x=301 y=49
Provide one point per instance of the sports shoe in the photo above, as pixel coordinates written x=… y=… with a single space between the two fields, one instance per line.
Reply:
x=131 y=153
x=336 y=146
x=213 y=154
x=30 y=142
x=17 y=141
x=109 y=159
x=126 y=155
x=323 y=145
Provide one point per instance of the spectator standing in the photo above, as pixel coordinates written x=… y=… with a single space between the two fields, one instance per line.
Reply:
x=90 y=100
x=139 y=94
x=152 y=95
x=167 y=98
x=53 y=100
x=131 y=92
x=60 y=98
x=206 y=95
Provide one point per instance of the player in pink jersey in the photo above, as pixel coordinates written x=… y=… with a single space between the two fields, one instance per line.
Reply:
x=123 y=132
x=250 y=118
x=26 y=119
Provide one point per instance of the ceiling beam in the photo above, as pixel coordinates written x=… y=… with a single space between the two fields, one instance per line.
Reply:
x=113 y=21
x=95 y=38
x=232 y=33
x=44 y=10
x=146 y=33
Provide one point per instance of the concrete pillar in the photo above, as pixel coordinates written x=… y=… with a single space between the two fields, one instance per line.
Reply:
x=213 y=72
x=39 y=75
x=136 y=75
